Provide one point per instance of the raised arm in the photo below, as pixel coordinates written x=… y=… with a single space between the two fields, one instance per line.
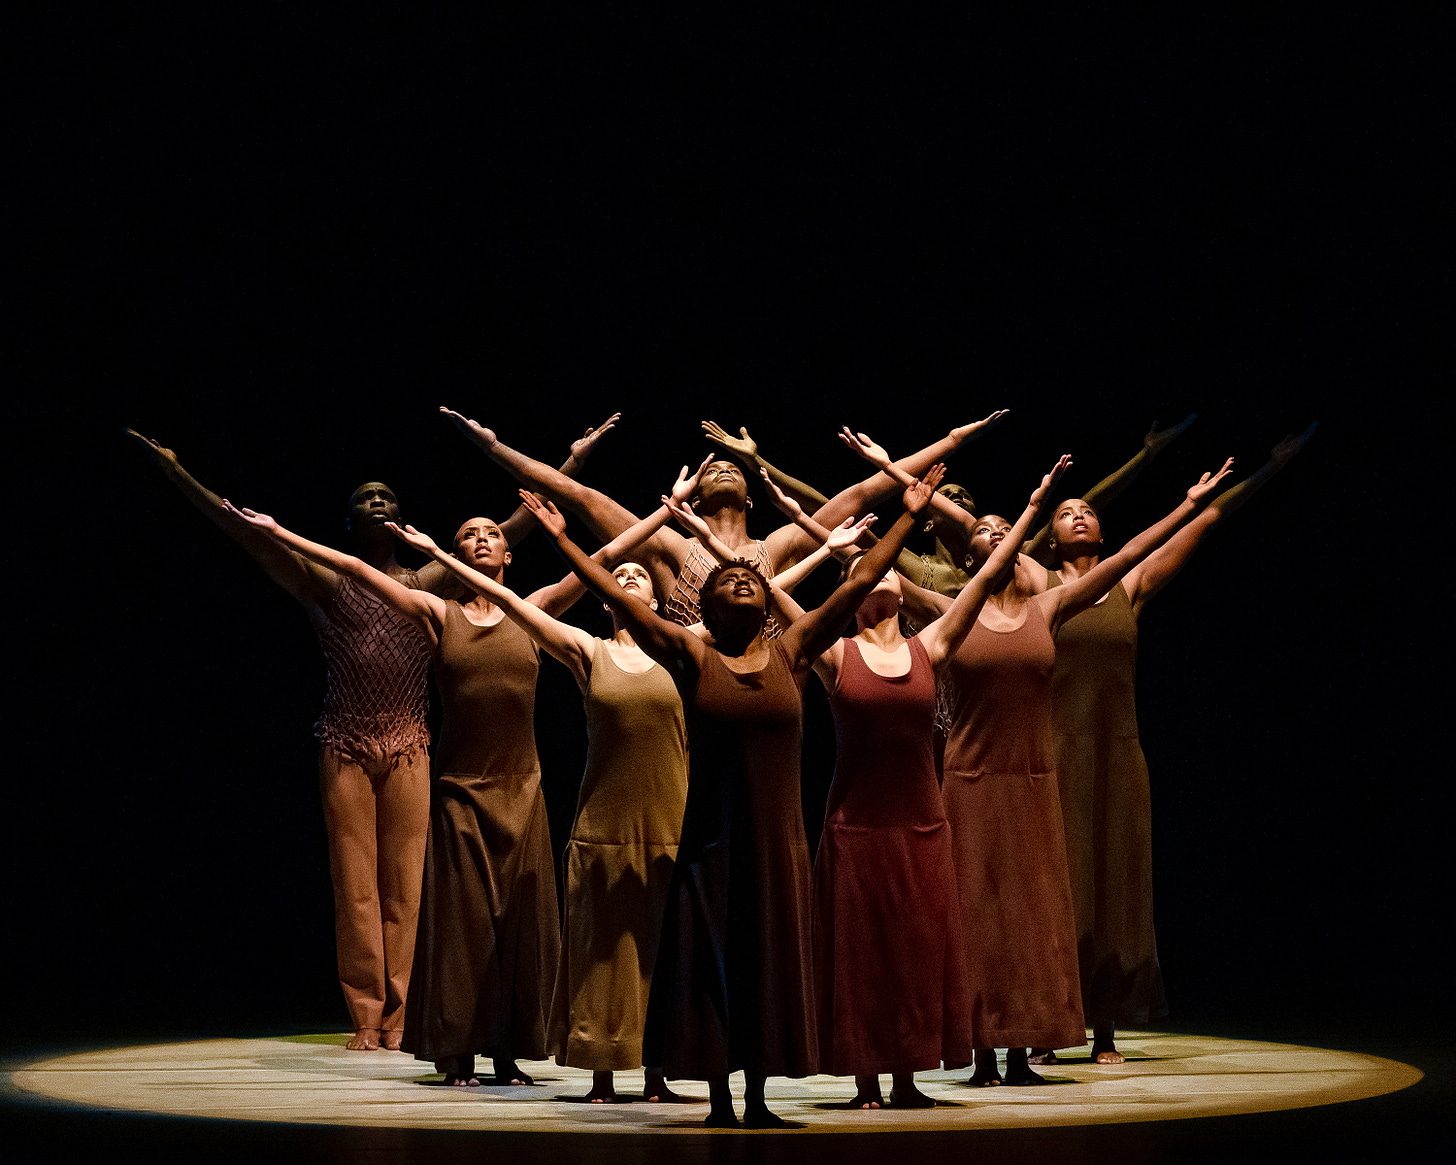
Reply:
x=1060 y=603
x=605 y=517
x=836 y=543
x=1106 y=491
x=570 y=645
x=307 y=582
x=520 y=524
x=941 y=638
x=667 y=643
x=745 y=448
x=864 y=496
x=807 y=637
x=1159 y=568
x=421 y=608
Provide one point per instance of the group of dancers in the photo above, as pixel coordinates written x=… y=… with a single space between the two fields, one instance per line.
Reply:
x=984 y=876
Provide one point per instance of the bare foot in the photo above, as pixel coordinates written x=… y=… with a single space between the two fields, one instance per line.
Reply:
x=875 y=1099
x=507 y=1072
x=986 y=1073
x=721 y=1118
x=366 y=1039
x=390 y=1039
x=656 y=1091
x=459 y=1071
x=1017 y=1071
x=602 y=1090
x=1107 y=1056
x=1042 y=1056
x=908 y=1096
x=757 y=1116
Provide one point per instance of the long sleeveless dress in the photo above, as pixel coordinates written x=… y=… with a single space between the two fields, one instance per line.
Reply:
x=1006 y=821
x=889 y=957
x=488 y=936
x=1107 y=811
x=733 y=984
x=618 y=863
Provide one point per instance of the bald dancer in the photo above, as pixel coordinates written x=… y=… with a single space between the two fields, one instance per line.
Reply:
x=373 y=739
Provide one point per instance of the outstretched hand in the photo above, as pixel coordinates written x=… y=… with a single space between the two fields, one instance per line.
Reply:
x=686 y=516
x=581 y=448
x=1208 y=481
x=159 y=452
x=847 y=533
x=745 y=446
x=781 y=500
x=478 y=433
x=251 y=517
x=686 y=484
x=861 y=444
x=412 y=537
x=1038 y=495
x=917 y=496
x=962 y=432
x=1283 y=452
x=545 y=513
x=1159 y=439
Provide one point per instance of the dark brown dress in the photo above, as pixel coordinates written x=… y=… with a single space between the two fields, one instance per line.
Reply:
x=488 y=938
x=889 y=957
x=733 y=984
x=1107 y=811
x=618 y=864
x=1006 y=821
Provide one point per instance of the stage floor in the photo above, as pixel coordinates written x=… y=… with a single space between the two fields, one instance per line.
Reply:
x=315 y=1080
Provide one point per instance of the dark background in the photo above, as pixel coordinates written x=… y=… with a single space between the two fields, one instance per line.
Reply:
x=278 y=238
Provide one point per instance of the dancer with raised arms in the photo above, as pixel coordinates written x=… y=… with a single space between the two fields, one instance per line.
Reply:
x=1102 y=777
x=733 y=984
x=1000 y=790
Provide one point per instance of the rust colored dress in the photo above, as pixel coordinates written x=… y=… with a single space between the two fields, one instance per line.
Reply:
x=1006 y=821
x=733 y=984
x=488 y=933
x=618 y=863
x=889 y=958
x=1107 y=811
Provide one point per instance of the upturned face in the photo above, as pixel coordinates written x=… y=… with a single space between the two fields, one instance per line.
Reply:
x=737 y=587
x=479 y=543
x=889 y=582
x=986 y=535
x=633 y=577
x=722 y=481
x=372 y=504
x=1075 y=524
x=958 y=495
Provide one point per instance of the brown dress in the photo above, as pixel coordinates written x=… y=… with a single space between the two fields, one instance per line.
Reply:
x=733 y=984
x=1107 y=811
x=889 y=957
x=488 y=933
x=618 y=863
x=1006 y=821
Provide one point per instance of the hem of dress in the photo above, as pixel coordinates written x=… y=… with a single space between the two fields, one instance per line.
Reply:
x=1028 y=1037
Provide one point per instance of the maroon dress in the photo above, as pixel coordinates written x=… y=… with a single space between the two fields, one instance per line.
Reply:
x=889 y=958
x=1000 y=791
x=733 y=987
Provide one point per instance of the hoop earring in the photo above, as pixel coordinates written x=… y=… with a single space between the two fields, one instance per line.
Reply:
x=748 y=503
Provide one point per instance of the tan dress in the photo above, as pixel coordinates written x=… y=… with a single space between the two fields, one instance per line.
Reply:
x=618 y=863
x=1107 y=811
x=1000 y=791
x=488 y=933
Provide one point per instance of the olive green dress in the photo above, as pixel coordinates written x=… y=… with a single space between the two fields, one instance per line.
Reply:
x=1102 y=780
x=618 y=863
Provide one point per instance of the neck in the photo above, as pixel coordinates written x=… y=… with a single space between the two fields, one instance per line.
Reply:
x=884 y=634
x=1076 y=563
x=621 y=636
x=950 y=547
x=729 y=524
x=377 y=552
x=736 y=642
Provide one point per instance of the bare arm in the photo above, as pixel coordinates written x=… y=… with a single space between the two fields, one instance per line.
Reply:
x=787 y=543
x=876 y=456
x=745 y=448
x=307 y=582
x=1106 y=491
x=807 y=637
x=1160 y=567
x=520 y=524
x=835 y=543
x=421 y=608
x=1060 y=603
x=667 y=643
x=943 y=636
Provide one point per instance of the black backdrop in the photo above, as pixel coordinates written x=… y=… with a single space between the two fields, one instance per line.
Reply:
x=278 y=239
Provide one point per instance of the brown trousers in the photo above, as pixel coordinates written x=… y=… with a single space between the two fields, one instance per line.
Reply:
x=377 y=822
